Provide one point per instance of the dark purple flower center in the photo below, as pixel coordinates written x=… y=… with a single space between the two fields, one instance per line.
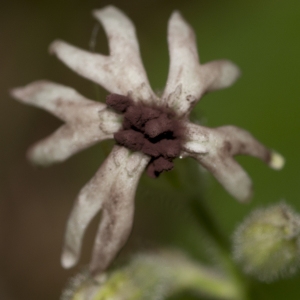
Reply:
x=151 y=130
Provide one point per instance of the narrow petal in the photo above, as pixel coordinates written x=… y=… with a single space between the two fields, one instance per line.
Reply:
x=241 y=142
x=117 y=214
x=66 y=141
x=219 y=74
x=121 y=72
x=187 y=80
x=98 y=193
x=87 y=205
x=197 y=139
x=215 y=148
x=124 y=51
x=238 y=141
x=120 y=32
x=184 y=71
x=230 y=175
x=62 y=101
x=88 y=122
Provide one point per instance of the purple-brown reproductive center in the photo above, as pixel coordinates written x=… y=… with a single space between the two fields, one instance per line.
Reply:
x=154 y=131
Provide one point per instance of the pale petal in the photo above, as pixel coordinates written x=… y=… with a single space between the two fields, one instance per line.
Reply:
x=62 y=101
x=124 y=49
x=230 y=174
x=214 y=149
x=98 y=193
x=184 y=71
x=121 y=72
x=239 y=141
x=120 y=32
x=219 y=74
x=66 y=141
x=87 y=204
x=187 y=80
x=88 y=122
x=117 y=213
x=277 y=161
x=197 y=138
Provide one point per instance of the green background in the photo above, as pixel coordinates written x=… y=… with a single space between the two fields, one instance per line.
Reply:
x=261 y=36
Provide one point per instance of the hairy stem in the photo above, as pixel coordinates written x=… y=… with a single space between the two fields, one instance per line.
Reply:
x=158 y=275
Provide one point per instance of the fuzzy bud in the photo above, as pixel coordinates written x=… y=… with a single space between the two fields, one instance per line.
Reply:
x=152 y=276
x=267 y=243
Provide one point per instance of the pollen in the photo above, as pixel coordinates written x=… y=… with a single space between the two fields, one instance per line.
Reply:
x=154 y=131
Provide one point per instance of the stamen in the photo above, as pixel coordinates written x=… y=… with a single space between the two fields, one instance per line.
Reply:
x=169 y=148
x=131 y=139
x=134 y=116
x=151 y=130
x=161 y=164
x=157 y=126
x=150 y=149
x=118 y=102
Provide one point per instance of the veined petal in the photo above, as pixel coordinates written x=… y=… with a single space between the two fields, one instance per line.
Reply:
x=88 y=122
x=87 y=205
x=66 y=141
x=125 y=52
x=219 y=74
x=187 y=80
x=215 y=148
x=239 y=141
x=196 y=139
x=230 y=174
x=120 y=32
x=184 y=71
x=121 y=72
x=118 y=211
x=115 y=180
x=62 y=101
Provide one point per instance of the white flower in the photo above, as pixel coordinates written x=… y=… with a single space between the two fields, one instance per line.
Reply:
x=158 y=127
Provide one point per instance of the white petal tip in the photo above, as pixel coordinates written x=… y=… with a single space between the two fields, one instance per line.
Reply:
x=41 y=156
x=27 y=92
x=176 y=15
x=245 y=194
x=178 y=23
x=16 y=92
x=243 y=190
x=277 y=161
x=230 y=73
x=54 y=46
x=68 y=260
x=247 y=198
x=106 y=9
x=97 y=12
x=36 y=159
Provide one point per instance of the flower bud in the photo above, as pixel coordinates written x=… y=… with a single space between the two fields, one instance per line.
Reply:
x=152 y=276
x=267 y=243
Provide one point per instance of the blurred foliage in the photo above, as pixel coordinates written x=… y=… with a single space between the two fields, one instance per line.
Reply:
x=261 y=36
x=152 y=276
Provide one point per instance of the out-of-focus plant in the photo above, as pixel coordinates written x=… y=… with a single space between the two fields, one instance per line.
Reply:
x=267 y=243
x=148 y=276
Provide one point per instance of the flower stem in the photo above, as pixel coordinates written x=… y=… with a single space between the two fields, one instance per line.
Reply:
x=221 y=245
x=156 y=275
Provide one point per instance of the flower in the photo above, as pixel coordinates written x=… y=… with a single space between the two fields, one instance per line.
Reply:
x=150 y=131
x=153 y=275
x=267 y=242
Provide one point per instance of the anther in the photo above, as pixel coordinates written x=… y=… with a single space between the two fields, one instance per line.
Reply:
x=131 y=139
x=155 y=127
x=118 y=102
x=150 y=130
